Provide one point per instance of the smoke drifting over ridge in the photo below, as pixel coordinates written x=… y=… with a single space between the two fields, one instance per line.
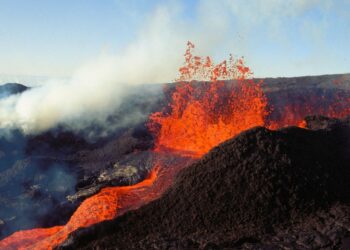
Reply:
x=99 y=87
x=96 y=89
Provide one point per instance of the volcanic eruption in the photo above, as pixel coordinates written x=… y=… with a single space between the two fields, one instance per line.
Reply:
x=202 y=115
x=208 y=105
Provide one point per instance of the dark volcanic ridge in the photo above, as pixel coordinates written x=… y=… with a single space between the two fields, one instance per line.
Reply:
x=261 y=189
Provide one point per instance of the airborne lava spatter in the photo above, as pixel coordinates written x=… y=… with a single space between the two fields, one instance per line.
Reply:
x=203 y=115
x=199 y=117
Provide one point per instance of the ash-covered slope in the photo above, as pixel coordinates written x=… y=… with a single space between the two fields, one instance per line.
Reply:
x=261 y=189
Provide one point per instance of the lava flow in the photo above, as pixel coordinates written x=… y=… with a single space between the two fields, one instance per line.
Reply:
x=102 y=206
x=200 y=115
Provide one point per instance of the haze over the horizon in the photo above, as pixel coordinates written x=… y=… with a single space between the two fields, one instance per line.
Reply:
x=277 y=38
x=90 y=53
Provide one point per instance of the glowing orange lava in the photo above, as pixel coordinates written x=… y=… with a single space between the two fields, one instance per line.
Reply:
x=205 y=110
x=202 y=115
x=293 y=114
x=103 y=206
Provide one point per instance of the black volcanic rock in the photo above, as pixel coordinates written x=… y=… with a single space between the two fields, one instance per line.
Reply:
x=261 y=190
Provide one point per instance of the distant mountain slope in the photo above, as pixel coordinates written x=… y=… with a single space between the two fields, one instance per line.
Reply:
x=11 y=89
x=338 y=81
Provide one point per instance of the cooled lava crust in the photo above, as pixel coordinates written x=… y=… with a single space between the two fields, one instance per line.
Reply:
x=260 y=190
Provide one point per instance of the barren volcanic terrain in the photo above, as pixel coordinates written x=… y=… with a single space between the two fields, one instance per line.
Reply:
x=270 y=186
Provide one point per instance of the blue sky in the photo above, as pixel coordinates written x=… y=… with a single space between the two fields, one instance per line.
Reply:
x=277 y=37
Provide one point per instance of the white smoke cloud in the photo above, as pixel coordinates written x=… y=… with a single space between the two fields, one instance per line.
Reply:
x=98 y=87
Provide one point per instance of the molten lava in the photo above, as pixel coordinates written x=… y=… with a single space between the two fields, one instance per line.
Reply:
x=102 y=206
x=202 y=115
x=227 y=101
x=335 y=106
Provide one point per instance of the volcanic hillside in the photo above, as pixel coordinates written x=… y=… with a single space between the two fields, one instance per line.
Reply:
x=29 y=164
x=262 y=189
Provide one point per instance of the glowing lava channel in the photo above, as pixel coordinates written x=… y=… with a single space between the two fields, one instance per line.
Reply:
x=102 y=206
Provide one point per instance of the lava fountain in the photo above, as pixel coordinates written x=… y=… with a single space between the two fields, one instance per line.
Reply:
x=202 y=115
